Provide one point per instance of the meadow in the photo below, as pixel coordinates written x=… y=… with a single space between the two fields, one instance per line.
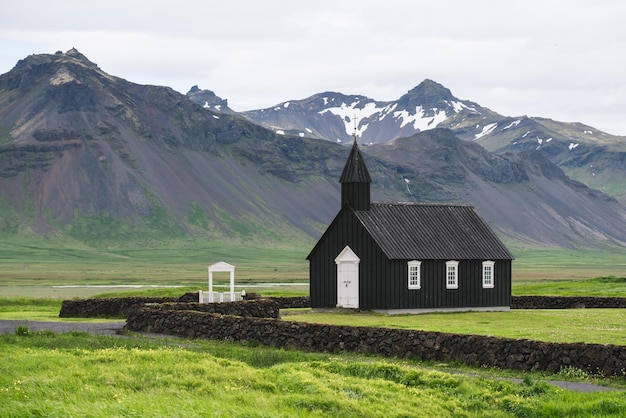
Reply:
x=75 y=374
x=62 y=268
x=600 y=326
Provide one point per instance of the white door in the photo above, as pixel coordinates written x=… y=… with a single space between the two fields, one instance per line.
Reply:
x=347 y=279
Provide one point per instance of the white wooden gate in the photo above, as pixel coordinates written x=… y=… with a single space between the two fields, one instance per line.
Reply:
x=210 y=297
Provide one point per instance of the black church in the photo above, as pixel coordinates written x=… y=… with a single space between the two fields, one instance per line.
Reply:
x=406 y=257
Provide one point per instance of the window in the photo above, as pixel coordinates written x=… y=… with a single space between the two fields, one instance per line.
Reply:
x=452 y=274
x=414 y=274
x=488 y=281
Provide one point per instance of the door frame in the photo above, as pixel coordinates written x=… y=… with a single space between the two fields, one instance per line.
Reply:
x=347 y=288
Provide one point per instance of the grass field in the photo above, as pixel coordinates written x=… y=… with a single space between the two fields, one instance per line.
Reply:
x=601 y=326
x=40 y=268
x=607 y=286
x=45 y=374
x=182 y=263
x=549 y=264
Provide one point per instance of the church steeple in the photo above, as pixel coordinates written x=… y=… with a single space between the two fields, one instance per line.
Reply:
x=355 y=181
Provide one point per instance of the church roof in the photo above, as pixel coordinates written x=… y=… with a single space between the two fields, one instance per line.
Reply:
x=355 y=170
x=417 y=231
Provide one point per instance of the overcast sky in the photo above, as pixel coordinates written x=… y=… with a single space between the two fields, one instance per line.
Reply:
x=564 y=60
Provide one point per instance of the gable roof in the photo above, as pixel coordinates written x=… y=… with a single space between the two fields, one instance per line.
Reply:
x=355 y=170
x=408 y=231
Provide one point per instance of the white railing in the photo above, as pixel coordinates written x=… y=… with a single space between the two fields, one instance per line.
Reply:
x=220 y=297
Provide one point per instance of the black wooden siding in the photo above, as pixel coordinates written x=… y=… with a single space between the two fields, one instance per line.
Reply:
x=383 y=283
x=346 y=230
x=356 y=195
x=433 y=292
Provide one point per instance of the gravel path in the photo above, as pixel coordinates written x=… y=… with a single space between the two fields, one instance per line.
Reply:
x=115 y=328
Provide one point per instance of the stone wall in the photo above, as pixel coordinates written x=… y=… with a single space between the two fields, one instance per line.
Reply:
x=284 y=302
x=517 y=302
x=528 y=355
x=119 y=307
x=292 y=302
x=262 y=308
x=565 y=302
x=105 y=307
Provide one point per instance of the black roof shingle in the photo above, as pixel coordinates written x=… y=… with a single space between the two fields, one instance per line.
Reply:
x=408 y=231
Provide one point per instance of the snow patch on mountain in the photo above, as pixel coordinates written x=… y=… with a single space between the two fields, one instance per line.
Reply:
x=419 y=120
x=512 y=124
x=459 y=107
x=207 y=105
x=387 y=110
x=361 y=109
x=348 y=112
x=487 y=129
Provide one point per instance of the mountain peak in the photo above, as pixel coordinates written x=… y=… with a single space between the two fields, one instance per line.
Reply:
x=209 y=100
x=73 y=53
x=430 y=87
x=73 y=56
x=428 y=93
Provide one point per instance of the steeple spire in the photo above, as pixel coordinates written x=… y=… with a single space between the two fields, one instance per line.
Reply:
x=355 y=181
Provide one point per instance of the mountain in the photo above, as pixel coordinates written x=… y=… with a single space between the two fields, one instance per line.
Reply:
x=336 y=117
x=593 y=157
x=98 y=157
x=105 y=160
x=209 y=100
x=523 y=195
x=586 y=154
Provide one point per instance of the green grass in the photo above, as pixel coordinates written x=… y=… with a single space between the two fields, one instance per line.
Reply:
x=536 y=263
x=44 y=374
x=31 y=309
x=601 y=326
x=177 y=262
x=607 y=286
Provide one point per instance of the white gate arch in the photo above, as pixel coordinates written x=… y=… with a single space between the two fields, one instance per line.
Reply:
x=222 y=267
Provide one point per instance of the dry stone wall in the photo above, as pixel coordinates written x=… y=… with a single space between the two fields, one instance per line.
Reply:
x=519 y=354
x=120 y=307
x=262 y=308
x=565 y=302
x=517 y=302
x=105 y=307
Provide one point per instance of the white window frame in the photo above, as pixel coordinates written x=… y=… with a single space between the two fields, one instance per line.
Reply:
x=489 y=274
x=452 y=274
x=415 y=274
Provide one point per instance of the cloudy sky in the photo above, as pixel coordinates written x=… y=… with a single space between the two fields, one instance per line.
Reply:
x=561 y=59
